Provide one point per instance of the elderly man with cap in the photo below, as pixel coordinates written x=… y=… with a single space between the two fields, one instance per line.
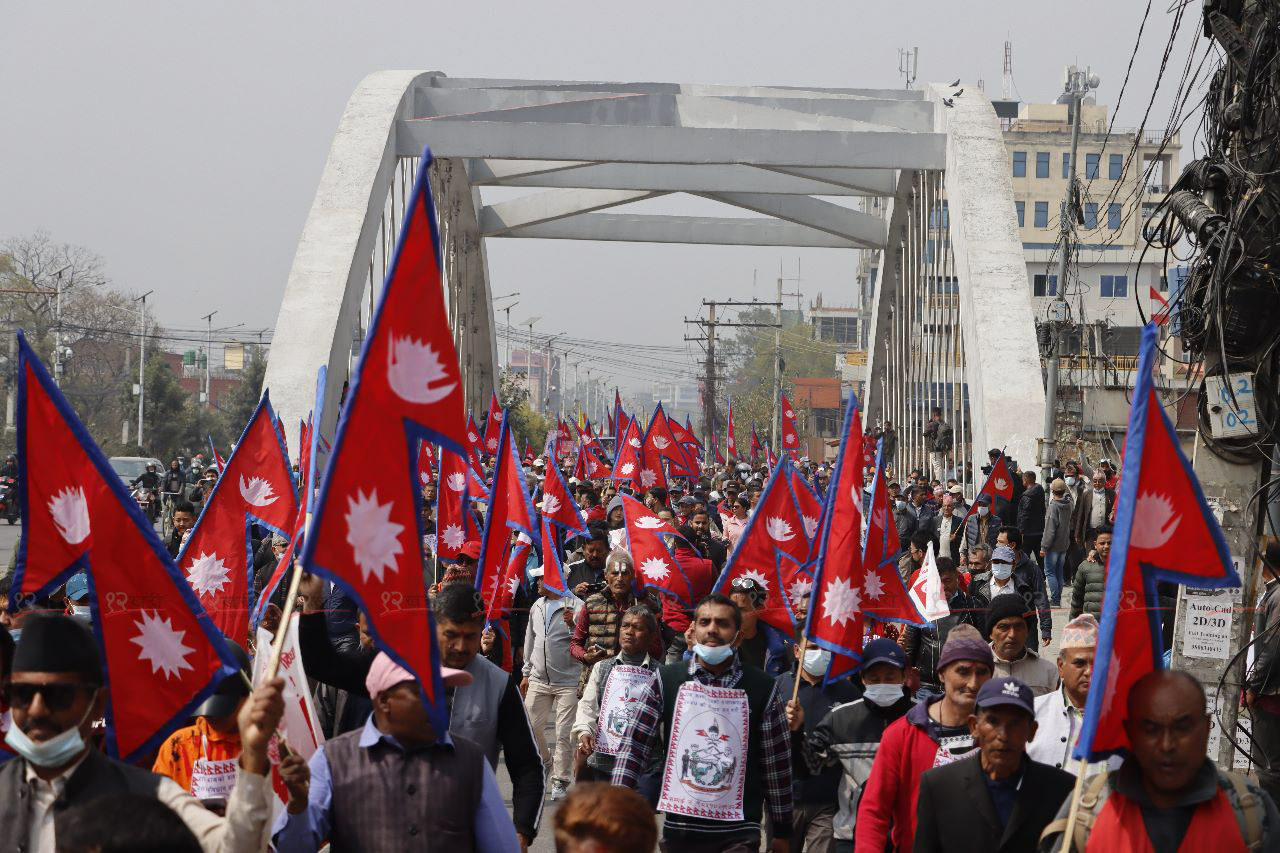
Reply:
x=1002 y=799
x=1167 y=795
x=201 y=757
x=550 y=681
x=932 y=733
x=55 y=692
x=596 y=623
x=849 y=735
x=982 y=526
x=398 y=784
x=1008 y=627
x=1060 y=712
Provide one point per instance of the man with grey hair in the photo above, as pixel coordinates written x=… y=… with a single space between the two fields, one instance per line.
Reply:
x=639 y=627
x=597 y=622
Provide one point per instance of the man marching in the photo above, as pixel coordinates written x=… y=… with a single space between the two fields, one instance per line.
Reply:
x=728 y=744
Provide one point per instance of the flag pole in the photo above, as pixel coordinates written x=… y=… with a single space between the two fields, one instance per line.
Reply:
x=795 y=688
x=277 y=643
x=1068 y=839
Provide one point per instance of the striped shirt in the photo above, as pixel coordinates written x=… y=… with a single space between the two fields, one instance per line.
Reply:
x=641 y=742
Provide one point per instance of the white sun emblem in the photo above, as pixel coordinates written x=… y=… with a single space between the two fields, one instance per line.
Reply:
x=660 y=442
x=841 y=602
x=633 y=441
x=800 y=587
x=208 y=575
x=655 y=568
x=70 y=513
x=626 y=469
x=372 y=534
x=257 y=492
x=872 y=586
x=415 y=372
x=425 y=477
x=457 y=482
x=787 y=413
x=492 y=443
x=789 y=438
x=779 y=529
x=810 y=525
x=1154 y=521
x=453 y=536
x=550 y=504
x=497 y=416
x=649 y=522
x=757 y=576
x=161 y=645
x=648 y=477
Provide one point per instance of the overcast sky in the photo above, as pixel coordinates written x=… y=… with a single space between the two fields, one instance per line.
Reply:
x=183 y=141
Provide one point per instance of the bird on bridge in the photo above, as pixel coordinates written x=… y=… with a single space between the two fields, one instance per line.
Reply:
x=957 y=93
x=947 y=102
x=955 y=82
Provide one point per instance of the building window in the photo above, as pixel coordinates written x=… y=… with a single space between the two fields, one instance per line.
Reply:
x=1021 y=208
x=1114 y=286
x=1042 y=214
x=1066 y=164
x=1019 y=164
x=1115 y=167
x=1113 y=217
x=1090 y=215
x=1042 y=164
x=940 y=215
x=1091 y=166
x=837 y=330
x=1044 y=285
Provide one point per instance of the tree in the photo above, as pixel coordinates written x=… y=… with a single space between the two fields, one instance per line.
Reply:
x=238 y=405
x=526 y=425
x=168 y=409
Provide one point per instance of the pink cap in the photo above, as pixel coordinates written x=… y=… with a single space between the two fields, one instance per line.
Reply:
x=386 y=673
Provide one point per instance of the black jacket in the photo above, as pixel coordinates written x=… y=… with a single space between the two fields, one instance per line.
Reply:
x=924 y=645
x=980 y=592
x=807 y=786
x=1031 y=509
x=954 y=810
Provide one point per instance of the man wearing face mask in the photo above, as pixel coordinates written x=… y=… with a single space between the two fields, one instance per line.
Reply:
x=981 y=527
x=814 y=794
x=55 y=692
x=755 y=761
x=848 y=736
x=904 y=521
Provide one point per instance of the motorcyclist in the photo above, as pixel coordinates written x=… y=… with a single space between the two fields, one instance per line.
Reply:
x=148 y=479
x=10 y=468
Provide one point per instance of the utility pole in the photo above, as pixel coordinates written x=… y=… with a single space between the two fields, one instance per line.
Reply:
x=710 y=417
x=777 y=355
x=908 y=59
x=1078 y=84
x=142 y=360
x=57 y=337
x=208 y=355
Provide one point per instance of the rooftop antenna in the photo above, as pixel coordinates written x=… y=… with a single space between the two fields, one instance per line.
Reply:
x=1006 y=84
x=908 y=59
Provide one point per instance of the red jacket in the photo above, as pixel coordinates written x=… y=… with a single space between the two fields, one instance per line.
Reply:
x=701 y=574
x=887 y=811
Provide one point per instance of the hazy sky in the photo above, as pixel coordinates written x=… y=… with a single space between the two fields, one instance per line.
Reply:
x=183 y=141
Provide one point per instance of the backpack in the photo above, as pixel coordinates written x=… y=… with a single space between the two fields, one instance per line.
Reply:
x=1248 y=815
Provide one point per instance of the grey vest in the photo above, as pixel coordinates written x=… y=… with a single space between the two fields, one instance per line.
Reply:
x=473 y=714
x=97 y=776
x=386 y=799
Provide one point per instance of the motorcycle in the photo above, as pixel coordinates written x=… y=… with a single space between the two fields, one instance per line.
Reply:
x=9 y=499
x=147 y=502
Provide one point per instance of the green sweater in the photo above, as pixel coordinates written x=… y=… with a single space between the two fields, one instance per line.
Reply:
x=1087 y=589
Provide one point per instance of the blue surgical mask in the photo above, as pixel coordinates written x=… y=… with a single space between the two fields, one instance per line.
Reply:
x=883 y=695
x=54 y=752
x=816 y=661
x=713 y=655
x=1071 y=481
x=1001 y=571
x=15 y=634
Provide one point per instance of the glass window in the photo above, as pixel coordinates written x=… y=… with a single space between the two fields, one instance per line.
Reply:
x=1114 y=217
x=1044 y=285
x=1066 y=164
x=1021 y=208
x=1042 y=164
x=1115 y=167
x=1019 y=164
x=1090 y=215
x=1114 y=286
x=1042 y=214
x=1091 y=166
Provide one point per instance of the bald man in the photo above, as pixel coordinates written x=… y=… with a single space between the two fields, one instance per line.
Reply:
x=1168 y=791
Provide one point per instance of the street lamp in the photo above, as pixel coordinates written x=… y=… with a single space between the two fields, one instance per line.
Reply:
x=57 y=337
x=507 y=309
x=528 y=361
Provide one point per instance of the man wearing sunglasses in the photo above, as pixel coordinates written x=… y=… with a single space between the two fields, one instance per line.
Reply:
x=55 y=692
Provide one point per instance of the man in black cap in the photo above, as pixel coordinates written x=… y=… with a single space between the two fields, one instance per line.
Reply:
x=55 y=692
x=1002 y=800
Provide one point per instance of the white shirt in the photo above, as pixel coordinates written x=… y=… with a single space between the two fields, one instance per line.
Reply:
x=1098 y=508
x=246 y=826
x=996 y=589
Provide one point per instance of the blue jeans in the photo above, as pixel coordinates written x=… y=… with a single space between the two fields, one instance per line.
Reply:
x=1053 y=563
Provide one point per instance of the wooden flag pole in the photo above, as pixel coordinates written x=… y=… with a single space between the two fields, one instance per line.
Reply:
x=1068 y=838
x=277 y=645
x=795 y=688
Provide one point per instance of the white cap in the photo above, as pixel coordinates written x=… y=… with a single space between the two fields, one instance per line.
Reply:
x=536 y=572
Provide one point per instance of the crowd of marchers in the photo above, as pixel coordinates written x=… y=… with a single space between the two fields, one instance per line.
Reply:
x=954 y=735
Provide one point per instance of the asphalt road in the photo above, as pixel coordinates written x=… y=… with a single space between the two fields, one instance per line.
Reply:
x=544 y=843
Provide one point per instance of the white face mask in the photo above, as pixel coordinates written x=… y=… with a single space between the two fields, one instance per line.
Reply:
x=816 y=662
x=883 y=695
x=982 y=511
x=1071 y=481
x=1001 y=571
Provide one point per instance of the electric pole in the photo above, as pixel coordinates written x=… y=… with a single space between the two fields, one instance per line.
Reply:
x=142 y=359
x=710 y=415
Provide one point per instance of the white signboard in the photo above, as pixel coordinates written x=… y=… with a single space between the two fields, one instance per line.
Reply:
x=705 y=774
x=1206 y=630
x=1231 y=405
x=619 y=702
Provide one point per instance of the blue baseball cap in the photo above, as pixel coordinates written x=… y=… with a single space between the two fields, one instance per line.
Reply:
x=77 y=586
x=883 y=650
x=1006 y=691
